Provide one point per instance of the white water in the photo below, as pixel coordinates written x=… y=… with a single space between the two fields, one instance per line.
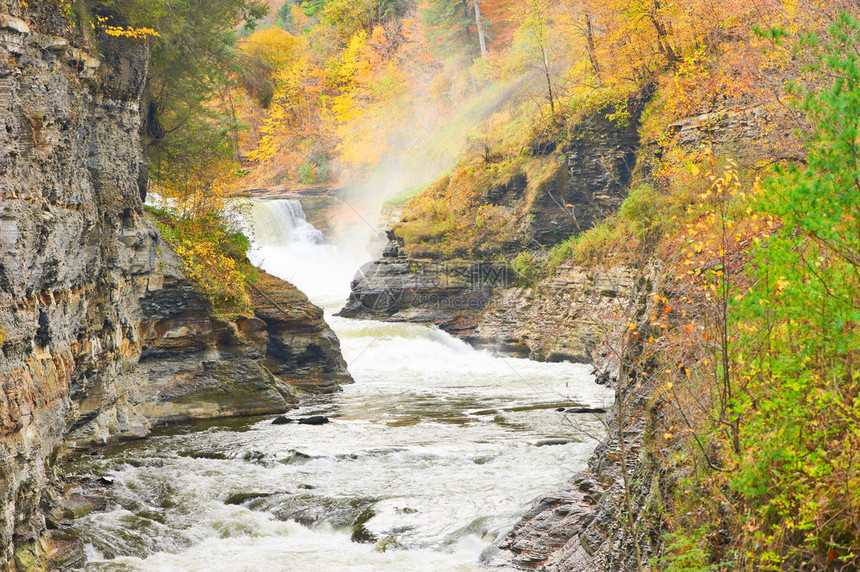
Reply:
x=438 y=447
x=288 y=246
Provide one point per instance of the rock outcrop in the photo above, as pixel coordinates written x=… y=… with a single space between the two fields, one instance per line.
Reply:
x=598 y=161
x=572 y=316
x=301 y=349
x=569 y=317
x=452 y=295
x=101 y=336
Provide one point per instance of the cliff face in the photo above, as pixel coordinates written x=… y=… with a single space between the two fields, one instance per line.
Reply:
x=573 y=316
x=588 y=172
x=451 y=295
x=102 y=335
x=599 y=157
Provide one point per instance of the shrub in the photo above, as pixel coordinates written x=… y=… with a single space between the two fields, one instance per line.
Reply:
x=798 y=349
x=212 y=255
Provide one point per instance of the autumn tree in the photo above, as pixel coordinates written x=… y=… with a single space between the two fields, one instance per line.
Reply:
x=449 y=26
x=501 y=20
x=479 y=26
x=536 y=34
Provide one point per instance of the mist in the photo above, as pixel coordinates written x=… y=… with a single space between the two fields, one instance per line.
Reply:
x=424 y=147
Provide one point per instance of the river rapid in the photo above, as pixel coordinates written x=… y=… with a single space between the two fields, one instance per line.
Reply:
x=430 y=457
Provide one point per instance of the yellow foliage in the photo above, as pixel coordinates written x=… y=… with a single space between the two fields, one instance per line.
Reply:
x=196 y=192
x=214 y=272
x=350 y=80
x=126 y=32
x=274 y=46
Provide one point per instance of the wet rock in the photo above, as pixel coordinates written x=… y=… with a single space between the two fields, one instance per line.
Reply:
x=241 y=498
x=310 y=509
x=360 y=533
x=550 y=442
x=212 y=455
x=76 y=511
x=282 y=420
x=314 y=420
x=301 y=350
x=386 y=543
x=254 y=456
x=296 y=458
x=66 y=552
x=585 y=410
x=585 y=485
x=451 y=295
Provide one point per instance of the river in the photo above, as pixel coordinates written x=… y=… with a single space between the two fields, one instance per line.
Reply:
x=429 y=460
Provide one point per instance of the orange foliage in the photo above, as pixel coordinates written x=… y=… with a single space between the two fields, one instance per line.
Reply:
x=341 y=89
x=502 y=15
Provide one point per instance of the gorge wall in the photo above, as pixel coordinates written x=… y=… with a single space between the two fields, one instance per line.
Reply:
x=102 y=336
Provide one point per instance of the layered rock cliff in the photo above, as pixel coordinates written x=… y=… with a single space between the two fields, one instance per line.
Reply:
x=598 y=154
x=451 y=294
x=102 y=336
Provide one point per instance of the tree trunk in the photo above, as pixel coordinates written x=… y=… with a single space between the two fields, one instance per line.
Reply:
x=548 y=80
x=592 y=56
x=662 y=42
x=227 y=98
x=482 y=39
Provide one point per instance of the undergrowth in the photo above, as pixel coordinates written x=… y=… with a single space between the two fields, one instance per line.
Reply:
x=213 y=256
x=769 y=340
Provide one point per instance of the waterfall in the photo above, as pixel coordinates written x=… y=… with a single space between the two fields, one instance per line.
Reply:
x=280 y=223
x=430 y=457
x=285 y=244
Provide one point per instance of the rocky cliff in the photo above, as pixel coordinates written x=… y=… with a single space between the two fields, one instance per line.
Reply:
x=598 y=156
x=450 y=294
x=101 y=334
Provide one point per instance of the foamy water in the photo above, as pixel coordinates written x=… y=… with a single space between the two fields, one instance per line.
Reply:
x=430 y=458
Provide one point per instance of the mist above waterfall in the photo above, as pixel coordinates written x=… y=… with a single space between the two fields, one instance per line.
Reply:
x=422 y=148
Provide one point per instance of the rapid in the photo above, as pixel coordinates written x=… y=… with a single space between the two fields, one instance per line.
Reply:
x=430 y=458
